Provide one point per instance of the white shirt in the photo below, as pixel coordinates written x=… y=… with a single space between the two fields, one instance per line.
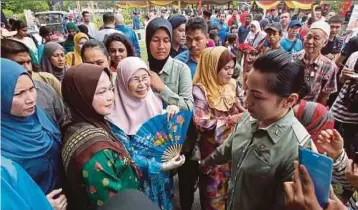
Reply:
x=104 y=32
x=30 y=44
x=92 y=29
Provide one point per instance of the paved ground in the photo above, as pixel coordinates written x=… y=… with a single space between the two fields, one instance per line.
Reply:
x=196 y=204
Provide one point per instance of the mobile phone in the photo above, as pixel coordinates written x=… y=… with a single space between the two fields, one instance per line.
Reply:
x=319 y=168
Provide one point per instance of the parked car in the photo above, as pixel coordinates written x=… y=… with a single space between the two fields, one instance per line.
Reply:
x=54 y=21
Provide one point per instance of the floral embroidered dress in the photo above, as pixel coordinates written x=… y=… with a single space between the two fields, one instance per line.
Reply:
x=214 y=127
x=107 y=173
x=216 y=112
x=157 y=184
x=96 y=168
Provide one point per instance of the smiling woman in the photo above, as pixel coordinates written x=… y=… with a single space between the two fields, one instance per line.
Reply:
x=119 y=47
x=91 y=154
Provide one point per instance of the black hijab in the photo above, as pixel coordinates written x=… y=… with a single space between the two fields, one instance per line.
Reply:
x=153 y=26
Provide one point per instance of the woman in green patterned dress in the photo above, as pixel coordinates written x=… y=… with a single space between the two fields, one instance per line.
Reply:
x=97 y=166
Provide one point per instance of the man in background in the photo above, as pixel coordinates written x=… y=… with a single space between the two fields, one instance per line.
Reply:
x=92 y=29
x=291 y=43
x=285 y=20
x=334 y=45
x=108 y=27
x=128 y=32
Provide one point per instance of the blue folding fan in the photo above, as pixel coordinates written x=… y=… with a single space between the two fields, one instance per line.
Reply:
x=162 y=138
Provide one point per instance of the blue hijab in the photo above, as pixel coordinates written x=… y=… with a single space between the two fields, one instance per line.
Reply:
x=18 y=190
x=22 y=137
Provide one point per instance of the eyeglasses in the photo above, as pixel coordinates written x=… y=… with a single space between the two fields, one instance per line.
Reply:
x=137 y=80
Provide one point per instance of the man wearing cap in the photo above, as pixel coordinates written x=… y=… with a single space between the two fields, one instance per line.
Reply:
x=274 y=35
x=178 y=23
x=291 y=43
x=320 y=72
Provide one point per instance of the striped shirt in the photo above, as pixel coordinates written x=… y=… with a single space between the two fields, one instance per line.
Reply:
x=340 y=109
x=339 y=174
x=321 y=76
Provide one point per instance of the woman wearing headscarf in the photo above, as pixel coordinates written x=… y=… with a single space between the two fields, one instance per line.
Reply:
x=28 y=136
x=315 y=117
x=133 y=98
x=53 y=60
x=217 y=110
x=170 y=78
x=96 y=164
x=74 y=58
x=256 y=37
x=18 y=190
x=72 y=29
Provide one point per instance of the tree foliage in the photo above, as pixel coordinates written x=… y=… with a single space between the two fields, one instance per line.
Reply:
x=18 y=6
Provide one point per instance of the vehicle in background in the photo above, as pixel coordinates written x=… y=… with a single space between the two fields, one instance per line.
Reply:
x=54 y=21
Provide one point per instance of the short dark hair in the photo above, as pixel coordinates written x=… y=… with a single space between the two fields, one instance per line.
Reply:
x=287 y=74
x=318 y=9
x=12 y=21
x=108 y=18
x=213 y=27
x=83 y=28
x=196 y=23
x=304 y=18
x=19 y=25
x=11 y=47
x=335 y=19
x=84 y=12
x=231 y=38
x=120 y=38
x=207 y=13
x=93 y=43
x=310 y=21
x=213 y=35
x=44 y=31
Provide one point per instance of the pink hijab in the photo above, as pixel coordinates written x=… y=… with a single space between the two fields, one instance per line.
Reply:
x=128 y=112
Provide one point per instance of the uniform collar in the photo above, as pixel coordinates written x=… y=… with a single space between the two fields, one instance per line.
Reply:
x=277 y=129
x=166 y=68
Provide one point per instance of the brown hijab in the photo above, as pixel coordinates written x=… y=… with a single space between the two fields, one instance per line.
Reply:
x=78 y=89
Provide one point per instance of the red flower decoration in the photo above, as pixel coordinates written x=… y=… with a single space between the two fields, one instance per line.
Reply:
x=92 y=189
x=180 y=120
x=98 y=166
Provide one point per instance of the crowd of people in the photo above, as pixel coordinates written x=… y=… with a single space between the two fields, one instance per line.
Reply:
x=259 y=87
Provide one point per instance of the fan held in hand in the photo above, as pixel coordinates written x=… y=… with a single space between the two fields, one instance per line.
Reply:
x=162 y=138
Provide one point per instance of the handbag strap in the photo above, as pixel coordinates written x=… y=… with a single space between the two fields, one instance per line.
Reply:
x=293 y=45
